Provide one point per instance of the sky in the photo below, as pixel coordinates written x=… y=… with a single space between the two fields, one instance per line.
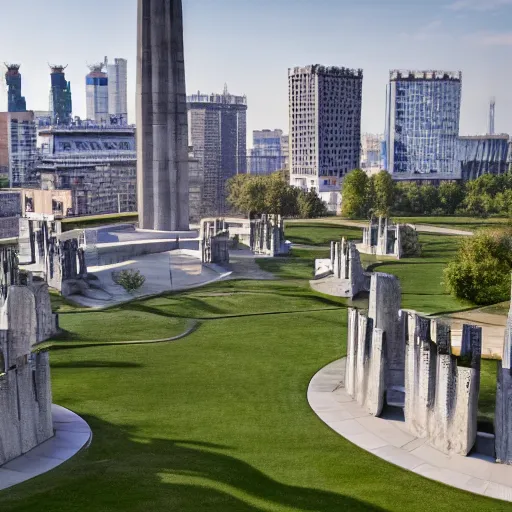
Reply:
x=250 y=44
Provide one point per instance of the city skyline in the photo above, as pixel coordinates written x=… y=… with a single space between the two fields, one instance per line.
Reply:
x=251 y=46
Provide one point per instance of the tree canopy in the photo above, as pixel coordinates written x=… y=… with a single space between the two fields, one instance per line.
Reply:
x=253 y=195
x=363 y=196
x=481 y=270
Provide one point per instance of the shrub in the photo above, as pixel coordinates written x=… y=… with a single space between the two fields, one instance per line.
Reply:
x=481 y=270
x=130 y=280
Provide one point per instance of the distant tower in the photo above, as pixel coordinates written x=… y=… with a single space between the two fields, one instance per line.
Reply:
x=492 y=113
x=96 y=90
x=16 y=102
x=117 y=90
x=60 y=96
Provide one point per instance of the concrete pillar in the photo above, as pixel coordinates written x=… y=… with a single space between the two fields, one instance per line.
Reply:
x=503 y=421
x=162 y=141
x=384 y=312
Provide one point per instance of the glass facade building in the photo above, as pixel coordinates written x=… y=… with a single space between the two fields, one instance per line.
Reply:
x=266 y=153
x=422 y=123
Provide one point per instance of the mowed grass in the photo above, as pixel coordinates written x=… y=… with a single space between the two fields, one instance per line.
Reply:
x=421 y=278
x=219 y=421
x=463 y=223
x=320 y=233
x=118 y=324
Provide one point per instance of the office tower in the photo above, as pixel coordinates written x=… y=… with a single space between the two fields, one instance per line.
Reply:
x=96 y=90
x=422 y=123
x=18 y=145
x=117 y=90
x=162 y=147
x=15 y=101
x=371 y=153
x=325 y=128
x=266 y=153
x=60 y=96
x=217 y=131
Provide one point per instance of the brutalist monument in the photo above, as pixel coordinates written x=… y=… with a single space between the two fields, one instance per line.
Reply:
x=25 y=391
x=162 y=133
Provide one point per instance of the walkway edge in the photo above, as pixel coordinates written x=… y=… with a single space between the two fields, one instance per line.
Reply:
x=390 y=440
x=72 y=434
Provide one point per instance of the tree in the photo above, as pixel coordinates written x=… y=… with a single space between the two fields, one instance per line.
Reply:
x=451 y=196
x=310 y=206
x=429 y=199
x=481 y=270
x=383 y=192
x=355 y=200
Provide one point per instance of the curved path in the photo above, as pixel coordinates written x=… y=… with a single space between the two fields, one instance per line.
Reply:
x=388 y=439
x=72 y=434
x=421 y=228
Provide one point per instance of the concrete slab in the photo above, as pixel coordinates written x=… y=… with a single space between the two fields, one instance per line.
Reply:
x=72 y=434
x=390 y=440
x=165 y=271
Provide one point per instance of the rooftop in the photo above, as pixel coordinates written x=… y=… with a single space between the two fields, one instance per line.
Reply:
x=402 y=74
x=326 y=70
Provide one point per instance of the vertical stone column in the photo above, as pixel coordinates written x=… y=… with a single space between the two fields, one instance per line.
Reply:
x=503 y=418
x=384 y=311
x=162 y=139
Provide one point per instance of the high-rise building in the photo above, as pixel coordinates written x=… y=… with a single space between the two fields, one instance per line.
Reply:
x=15 y=101
x=217 y=131
x=371 y=153
x=325 y=128
x=266 y=153
x=96 y=90
x=18 y=145
x=422 y=124
x=117 y=90
x=60 y=96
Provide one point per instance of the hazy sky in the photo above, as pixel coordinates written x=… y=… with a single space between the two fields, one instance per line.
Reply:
x=250 y=44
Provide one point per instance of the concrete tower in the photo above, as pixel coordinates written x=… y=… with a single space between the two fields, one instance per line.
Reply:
x=96 y=90
x=162 y=133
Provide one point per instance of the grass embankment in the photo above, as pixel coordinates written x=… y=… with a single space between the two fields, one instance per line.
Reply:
x=92 y=221
x=219 y=421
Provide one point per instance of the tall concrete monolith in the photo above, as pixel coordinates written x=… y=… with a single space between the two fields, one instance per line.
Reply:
x=503 y=417
x=162 y=133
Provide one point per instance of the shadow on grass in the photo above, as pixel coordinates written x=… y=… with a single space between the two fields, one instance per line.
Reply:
x=123 y=472
x=96 y=364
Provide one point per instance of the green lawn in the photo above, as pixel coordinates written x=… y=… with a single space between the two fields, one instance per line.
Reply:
x=320 y=233
x=219 y=421
x=464 y=223
x=93 y=221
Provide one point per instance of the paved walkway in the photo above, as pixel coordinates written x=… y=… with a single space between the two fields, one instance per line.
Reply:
x=165 y=271
x=420 y=228
x=71 y=435
x=389 y=440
